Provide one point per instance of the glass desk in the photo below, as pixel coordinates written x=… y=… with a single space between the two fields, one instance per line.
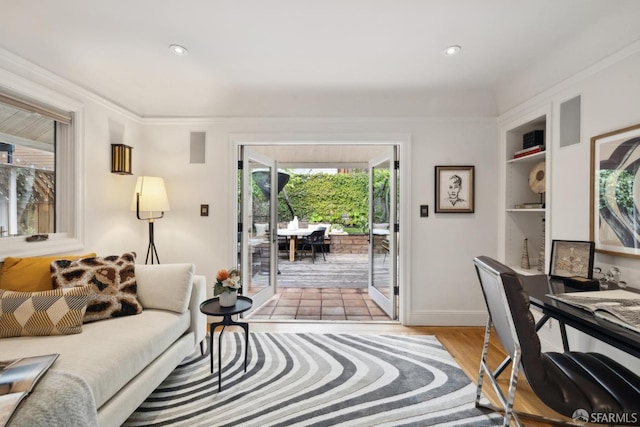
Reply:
x=618 y=336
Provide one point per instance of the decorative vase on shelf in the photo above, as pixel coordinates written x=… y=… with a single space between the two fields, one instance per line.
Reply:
x=524 y=263
x=228 y=298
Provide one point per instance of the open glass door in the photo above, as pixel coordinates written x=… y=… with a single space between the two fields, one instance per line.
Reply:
x=257 y=237
x=382 y=233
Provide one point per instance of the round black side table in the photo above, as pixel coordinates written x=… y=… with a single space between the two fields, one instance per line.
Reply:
x=212 y=307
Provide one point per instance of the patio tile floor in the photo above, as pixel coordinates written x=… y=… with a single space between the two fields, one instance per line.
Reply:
x=320 y=304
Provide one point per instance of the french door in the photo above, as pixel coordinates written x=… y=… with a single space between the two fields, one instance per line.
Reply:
x=383 y=232
x=257 y=235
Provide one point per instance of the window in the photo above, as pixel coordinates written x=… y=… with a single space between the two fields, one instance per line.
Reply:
x=39 y=177
x=27 y=172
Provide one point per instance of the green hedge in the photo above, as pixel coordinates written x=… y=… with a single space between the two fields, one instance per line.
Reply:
x=341 y=198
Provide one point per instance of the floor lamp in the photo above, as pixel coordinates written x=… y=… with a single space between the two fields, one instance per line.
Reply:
x=150 y=198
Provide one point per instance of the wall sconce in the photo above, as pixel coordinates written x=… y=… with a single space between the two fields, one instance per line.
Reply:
x=121 y=159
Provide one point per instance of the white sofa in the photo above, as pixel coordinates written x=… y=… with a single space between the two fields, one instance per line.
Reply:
x=120 y=360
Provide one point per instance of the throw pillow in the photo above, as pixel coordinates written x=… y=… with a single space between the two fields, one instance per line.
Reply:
x=165 y=286
x=112 y=280
x=56 y=312
x=30 y=274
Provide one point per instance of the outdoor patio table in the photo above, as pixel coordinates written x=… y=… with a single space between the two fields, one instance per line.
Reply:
x=293 y=235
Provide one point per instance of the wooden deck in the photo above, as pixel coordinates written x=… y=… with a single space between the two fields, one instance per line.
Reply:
x=338 y=271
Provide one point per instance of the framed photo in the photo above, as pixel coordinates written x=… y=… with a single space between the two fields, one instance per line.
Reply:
x=615 y=192
x=455 y=189
x=571 y=258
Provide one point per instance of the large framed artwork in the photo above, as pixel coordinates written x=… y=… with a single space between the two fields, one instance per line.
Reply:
x=615 y=192
x=455 y=189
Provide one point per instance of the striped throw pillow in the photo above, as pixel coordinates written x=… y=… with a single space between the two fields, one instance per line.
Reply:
x=56 y=312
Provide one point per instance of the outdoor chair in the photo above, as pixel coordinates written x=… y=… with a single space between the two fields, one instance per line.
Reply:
x=313 y=241
x=565 y=382
x=283 y=245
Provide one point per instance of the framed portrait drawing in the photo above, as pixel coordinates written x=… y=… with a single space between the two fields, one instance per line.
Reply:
x=615 y=192
x=455 y=189
x=571 y=258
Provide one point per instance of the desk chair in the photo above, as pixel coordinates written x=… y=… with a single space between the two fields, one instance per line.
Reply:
x=313 y=241
x=566 y=381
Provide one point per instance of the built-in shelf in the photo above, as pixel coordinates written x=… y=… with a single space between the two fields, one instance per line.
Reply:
x=535 y=157
x=531 y=224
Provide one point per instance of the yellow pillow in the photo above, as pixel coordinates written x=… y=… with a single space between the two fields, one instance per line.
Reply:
x=31 y=274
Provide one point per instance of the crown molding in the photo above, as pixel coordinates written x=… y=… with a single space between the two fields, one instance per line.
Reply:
x=47 y=81
x=311 y=119
x=546 y=95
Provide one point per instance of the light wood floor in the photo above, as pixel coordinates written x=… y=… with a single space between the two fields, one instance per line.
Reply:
x=464 y=343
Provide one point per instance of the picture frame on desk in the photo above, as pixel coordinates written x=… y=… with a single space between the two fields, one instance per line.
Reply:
x=455 y=188
x=614 y=219
x=572 y=258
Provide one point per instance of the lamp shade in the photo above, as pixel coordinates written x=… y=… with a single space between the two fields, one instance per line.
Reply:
x=152 y=195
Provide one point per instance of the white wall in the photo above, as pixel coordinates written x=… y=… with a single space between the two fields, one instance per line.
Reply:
x=110 y=225
x=441 y=287
x=610 y=93
x=439 y=282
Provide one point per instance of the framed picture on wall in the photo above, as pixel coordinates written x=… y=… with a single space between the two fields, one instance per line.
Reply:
x=571 y=258
x=454 y=189
x=615 y=193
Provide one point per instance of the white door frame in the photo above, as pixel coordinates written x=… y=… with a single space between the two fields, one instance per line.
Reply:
x=403 y=142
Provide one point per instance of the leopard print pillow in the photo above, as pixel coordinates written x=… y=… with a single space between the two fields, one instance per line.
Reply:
x=112 y=281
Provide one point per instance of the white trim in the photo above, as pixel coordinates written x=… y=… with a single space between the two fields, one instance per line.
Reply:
x=512 y=113
x=48 y=77
x=376 y=138
x=448 y=318
x=30 y=89
x=403 y=140
x=69 y=171
x=158 y=121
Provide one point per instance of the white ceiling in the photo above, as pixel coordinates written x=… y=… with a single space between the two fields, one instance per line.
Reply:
x=246 y=52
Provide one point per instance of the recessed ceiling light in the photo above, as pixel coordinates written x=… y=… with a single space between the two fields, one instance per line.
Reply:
x=178 y=50
x=451 y=50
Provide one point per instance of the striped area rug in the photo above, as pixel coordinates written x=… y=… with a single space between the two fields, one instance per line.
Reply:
x=318 y=380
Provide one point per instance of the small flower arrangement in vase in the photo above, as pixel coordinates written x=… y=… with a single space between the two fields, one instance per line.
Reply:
x=227 y=285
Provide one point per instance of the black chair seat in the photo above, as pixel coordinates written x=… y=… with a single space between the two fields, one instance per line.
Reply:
x=313 y=241
x=590 y=381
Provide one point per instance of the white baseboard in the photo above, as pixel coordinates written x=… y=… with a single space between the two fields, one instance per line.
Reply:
x=447 y=318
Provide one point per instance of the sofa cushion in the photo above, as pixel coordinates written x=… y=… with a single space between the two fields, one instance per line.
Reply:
x=31 y=274
x=55 y=312
x=112 y=280
x=107 y=354
x=165 y=286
